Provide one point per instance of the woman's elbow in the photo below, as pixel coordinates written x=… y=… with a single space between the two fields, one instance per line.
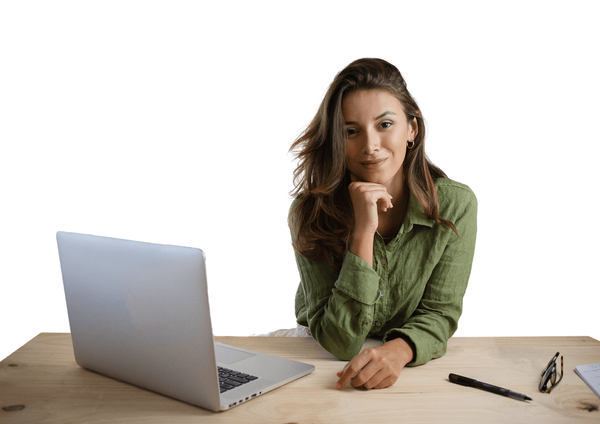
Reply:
x=342 y=350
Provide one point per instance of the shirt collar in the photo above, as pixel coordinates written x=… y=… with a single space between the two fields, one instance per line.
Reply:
x=415 y=215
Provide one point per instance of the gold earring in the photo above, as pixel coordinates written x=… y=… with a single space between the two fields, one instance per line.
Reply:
x=410 y=144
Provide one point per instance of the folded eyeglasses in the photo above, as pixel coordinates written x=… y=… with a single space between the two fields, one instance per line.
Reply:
x=550 y=375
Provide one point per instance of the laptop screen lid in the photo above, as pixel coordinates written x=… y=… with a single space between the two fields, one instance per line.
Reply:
x=139 y=313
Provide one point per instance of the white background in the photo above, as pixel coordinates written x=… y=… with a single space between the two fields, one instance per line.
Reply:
x=170 y=122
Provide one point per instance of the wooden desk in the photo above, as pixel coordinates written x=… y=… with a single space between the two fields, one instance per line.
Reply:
x=41 y=382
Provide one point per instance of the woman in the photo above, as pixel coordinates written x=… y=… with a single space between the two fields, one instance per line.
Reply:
x=384 y=240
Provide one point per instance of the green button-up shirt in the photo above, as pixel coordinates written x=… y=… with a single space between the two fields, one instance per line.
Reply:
x=413 y=290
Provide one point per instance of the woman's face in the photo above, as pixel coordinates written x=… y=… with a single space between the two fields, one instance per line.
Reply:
x=377 y=134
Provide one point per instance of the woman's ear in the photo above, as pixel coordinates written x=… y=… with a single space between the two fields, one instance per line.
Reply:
x=413 y=129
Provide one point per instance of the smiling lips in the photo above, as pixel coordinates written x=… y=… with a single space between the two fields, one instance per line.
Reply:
x=373 y=164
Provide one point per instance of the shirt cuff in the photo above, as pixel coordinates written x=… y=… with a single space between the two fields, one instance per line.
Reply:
x=424 y=351
x=358 y=280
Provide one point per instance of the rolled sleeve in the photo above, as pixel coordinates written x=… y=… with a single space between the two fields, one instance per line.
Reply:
x=358 y=280
x=339 y=306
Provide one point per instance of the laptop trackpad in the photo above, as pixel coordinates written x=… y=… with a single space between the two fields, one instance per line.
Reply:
x=230 y=356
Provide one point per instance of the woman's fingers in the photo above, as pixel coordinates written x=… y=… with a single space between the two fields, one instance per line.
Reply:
x=372 y=380
x=360 y=369
x=386 y=382
x=376 y=367
x=371 y=193
x=351 y=369
x=368 y=200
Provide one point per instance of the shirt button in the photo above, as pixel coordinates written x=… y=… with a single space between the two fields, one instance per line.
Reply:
x=378 y=323
x=383 y=261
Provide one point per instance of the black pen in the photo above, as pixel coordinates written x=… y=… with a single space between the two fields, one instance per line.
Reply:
x=465 y=381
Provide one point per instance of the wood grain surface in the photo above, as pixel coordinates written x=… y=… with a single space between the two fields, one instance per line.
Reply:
x=41 y=383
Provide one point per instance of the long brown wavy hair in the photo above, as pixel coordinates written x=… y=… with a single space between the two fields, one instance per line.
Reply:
x=322 y=221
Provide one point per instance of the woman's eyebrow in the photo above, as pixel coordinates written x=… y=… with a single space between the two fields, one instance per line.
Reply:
x=387 y=112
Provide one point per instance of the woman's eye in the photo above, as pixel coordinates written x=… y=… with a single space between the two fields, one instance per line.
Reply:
x=351 y=131
x=386 y=124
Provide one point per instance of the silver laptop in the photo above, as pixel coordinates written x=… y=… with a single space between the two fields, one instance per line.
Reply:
x=139 y=313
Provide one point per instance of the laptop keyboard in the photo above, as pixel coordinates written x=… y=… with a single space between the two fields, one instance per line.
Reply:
x=230 y=379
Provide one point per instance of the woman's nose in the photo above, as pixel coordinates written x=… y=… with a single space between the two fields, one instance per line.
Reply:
x=371 y=142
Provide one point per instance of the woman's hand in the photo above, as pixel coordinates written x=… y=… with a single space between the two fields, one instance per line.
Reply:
x=377 y=367
x=367 y=200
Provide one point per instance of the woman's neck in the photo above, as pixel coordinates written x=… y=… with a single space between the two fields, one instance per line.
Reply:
x=396 y=187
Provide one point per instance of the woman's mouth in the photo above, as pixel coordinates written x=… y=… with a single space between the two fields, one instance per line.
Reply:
x=373 y=164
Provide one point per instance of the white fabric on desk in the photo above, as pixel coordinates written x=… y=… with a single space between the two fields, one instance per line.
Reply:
x=299 y=331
